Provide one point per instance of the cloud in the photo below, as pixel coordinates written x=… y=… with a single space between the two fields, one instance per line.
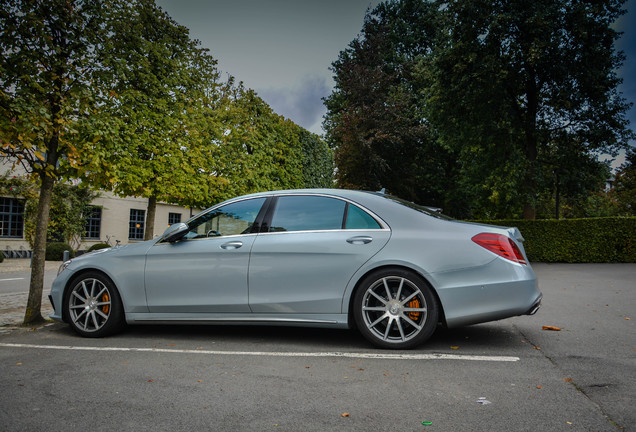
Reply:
x=302 y=102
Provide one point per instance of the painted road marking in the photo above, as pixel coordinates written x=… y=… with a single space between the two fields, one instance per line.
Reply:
x=382 y=356
x=11 y=279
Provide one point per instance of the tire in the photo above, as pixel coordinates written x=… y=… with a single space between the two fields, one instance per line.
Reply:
x=395 y=309
x=93 y=306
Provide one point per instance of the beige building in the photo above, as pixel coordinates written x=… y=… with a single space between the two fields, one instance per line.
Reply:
x=114 y=221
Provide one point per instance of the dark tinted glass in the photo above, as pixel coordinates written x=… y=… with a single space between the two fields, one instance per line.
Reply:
x=307 y=213
x=359 y=219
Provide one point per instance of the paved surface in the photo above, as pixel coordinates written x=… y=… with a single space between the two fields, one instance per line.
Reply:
x=13 y=304
x=157 y=378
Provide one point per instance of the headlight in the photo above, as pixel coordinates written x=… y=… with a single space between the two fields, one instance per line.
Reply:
x=63 y=267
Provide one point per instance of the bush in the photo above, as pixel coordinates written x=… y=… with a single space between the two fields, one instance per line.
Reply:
x=55 y=251
x=1 y=257
x=97 y=246
x=596 y=240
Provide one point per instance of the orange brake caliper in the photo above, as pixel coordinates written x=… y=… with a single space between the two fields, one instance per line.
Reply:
x=415 y=303
x=105 y=308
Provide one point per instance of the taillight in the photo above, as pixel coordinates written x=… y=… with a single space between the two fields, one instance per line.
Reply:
x=501 y=245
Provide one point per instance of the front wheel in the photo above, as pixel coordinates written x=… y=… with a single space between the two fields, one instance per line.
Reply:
x=93 y=306
x=395 y=309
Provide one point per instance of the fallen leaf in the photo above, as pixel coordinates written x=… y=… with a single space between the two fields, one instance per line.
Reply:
x=537 y=348
x=150 y=380
x=361 y=369
x=567 y=379
x=307 y=367
x=345 y=415
x=386 y=374
x=199 y=347
x=569 y=422
x=539 y=387
x=553 y=328
x=19 y=364
x=627 y=318
x=454 y=347
x=199 y=380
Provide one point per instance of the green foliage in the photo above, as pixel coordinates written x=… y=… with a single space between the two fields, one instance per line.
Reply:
x=486 y=108
x=526 y=92
x=625 y=185
x=257 y=149
x=374 y=115
x=98 y=246
x=55 y=251
x=594 y=240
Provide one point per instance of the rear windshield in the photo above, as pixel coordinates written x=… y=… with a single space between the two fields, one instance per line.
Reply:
x=431 y=211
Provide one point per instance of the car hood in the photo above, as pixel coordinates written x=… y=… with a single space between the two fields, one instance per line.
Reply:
x=125 y=249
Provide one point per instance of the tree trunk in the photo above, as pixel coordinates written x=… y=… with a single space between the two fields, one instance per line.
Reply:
x=150 y=218
x=33 y=314
x=530 y=145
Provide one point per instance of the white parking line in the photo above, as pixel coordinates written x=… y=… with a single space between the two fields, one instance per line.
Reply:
x=383 y=356
x=11 y=279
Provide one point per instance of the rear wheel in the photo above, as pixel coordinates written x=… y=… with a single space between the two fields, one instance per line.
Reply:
x=395 y=309
x=93 y=306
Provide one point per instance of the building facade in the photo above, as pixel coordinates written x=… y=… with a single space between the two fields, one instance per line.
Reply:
x=114 y=220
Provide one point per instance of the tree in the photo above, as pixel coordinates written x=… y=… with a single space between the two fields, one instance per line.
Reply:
x=516 y=87
x=374 y=116
x=157 y=84
x=46 y=62
x=625 y=185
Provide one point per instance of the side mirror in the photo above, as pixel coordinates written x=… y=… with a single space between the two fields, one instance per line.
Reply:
x=175 y=232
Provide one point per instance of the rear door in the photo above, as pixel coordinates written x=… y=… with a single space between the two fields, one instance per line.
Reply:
x=311 y=248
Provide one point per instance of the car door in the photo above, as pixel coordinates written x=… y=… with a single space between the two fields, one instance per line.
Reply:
x=206 y=271
x=312 y=248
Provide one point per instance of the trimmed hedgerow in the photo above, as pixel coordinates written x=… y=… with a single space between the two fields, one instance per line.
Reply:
x=596 y=240
x=55 y=251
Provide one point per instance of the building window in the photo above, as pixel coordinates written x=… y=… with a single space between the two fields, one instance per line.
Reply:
x=11 y=217
x=93 y=223
x=174 y=218
x=136 y=227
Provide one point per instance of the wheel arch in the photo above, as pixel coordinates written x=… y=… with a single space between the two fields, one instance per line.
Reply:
x=350 y=318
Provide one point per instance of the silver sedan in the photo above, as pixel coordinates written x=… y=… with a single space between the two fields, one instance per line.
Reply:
x=318 y=257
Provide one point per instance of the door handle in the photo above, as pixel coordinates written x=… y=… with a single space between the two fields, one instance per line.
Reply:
x=360 y=240
x=232 y=245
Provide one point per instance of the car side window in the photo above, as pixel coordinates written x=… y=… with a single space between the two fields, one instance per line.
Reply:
x=359 y=219
x=231 y=219
x=307 y=213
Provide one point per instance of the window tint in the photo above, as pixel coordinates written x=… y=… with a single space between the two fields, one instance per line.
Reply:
x=231 y=219
x=307 y=213
x=359 y=219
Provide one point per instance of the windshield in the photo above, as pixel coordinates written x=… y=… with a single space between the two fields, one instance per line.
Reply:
x=431 y=211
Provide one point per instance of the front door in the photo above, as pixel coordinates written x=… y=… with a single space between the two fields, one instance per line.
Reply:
x=206 y=271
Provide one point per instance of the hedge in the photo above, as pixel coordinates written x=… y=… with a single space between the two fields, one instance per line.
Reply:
x=55 y=251
x=597 y=240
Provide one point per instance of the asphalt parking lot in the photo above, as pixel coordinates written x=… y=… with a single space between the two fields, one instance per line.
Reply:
x=510 y=375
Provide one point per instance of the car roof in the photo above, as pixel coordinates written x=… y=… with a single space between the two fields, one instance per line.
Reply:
x=393 y=213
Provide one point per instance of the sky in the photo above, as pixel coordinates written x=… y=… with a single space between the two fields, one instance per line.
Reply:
x=283 y=48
